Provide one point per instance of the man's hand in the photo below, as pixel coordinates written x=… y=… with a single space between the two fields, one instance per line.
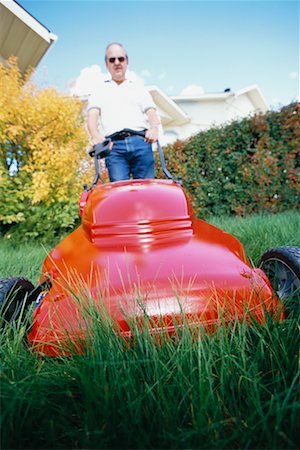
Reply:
x=151 y=135
x=153 y=120
x=97 y=138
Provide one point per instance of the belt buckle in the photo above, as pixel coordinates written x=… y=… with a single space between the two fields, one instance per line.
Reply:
x=120 y=136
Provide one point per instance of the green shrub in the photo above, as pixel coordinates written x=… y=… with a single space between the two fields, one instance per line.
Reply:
x=47 y=223
x=250 y=165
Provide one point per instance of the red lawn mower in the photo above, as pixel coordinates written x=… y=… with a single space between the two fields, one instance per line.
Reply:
x=141 y=254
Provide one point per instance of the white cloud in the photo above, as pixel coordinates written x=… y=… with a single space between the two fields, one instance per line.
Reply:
x=192 y=90
x=162 y=75
x=87 y=81
x=145 y=73
x=294 y=75
x=90 y=77
x=170 y=89
x=275 y=102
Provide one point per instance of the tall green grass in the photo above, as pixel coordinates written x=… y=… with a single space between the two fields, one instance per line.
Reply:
x=22 y=260
x=238 y=388
x=260 y=232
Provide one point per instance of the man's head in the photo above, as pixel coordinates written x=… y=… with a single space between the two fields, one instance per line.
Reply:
x=116 y=61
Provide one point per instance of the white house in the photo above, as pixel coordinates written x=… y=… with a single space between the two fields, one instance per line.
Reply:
x=183 y=116
x=22 y=35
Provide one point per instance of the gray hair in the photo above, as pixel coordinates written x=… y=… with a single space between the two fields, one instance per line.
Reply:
x=115 y=43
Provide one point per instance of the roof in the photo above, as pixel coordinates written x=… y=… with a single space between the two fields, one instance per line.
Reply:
x=22 y=35
x=170 y=113
x=253 y=92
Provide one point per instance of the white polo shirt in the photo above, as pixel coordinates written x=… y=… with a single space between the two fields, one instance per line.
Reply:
x=121 y=105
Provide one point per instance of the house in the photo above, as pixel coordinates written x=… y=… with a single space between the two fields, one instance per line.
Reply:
x=22 y=35
x=183 y=116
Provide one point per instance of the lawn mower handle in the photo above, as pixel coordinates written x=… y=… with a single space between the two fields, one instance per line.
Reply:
x=102 y=150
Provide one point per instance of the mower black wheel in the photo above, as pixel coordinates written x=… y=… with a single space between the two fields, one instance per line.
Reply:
x=282 y=267
x=13 y=293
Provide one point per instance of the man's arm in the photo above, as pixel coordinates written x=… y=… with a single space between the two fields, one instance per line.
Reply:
x=92 y=124
x=96 y=137
x=152 y=133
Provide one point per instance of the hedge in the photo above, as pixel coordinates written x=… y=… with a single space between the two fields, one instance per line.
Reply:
x=247 y=166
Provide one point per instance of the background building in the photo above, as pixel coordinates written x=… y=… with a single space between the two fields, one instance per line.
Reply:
x=183 y=116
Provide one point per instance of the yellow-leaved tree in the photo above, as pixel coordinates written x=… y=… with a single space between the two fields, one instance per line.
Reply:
x=43 y=157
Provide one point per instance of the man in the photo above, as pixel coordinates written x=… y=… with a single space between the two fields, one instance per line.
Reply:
x=123 y=104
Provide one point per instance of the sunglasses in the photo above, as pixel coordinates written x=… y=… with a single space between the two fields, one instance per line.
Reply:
x=119 y=58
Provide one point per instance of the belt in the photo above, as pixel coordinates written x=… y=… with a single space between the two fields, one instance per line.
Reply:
x=123 y=134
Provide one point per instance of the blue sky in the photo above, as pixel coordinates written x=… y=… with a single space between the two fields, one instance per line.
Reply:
x=175 y=44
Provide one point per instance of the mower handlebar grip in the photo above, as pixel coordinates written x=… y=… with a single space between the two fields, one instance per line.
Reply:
x=101 y=150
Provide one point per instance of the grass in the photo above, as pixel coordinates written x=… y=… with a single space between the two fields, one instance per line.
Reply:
x=236 y=389
x=261 y=232
x=24 y=260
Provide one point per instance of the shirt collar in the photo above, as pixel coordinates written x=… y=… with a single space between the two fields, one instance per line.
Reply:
x=110 y=80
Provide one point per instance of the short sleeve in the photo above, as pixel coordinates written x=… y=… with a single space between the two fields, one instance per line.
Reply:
x=145 y=100
x=94 y=101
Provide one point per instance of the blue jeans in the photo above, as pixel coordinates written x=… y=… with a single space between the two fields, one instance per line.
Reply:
x=130 y=156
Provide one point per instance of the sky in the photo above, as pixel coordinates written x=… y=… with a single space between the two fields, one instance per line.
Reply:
x=180 y=46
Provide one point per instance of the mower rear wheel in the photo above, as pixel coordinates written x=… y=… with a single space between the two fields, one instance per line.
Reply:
x=282 y=267
x=13 y=294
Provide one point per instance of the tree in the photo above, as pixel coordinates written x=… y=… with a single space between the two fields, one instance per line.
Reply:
x=43 y=158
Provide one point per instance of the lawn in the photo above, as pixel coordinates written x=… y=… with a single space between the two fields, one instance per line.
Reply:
x=236 y=389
